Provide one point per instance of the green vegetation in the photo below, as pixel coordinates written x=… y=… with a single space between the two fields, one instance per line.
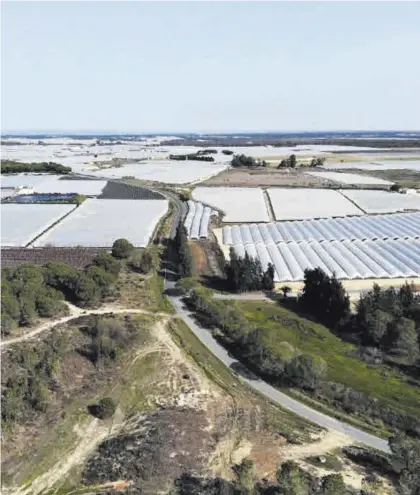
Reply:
x=184 y=251
x=13 y=167
x=106 y=408
x=292 y=351
x=246 y=274
x=122 y=249
x=142 y=262
x=32 y=291
x=276 y=418
x=247 y=161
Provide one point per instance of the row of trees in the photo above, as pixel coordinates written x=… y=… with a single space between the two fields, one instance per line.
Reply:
x=184 y=251
x=289 y=366
x=246 y=274
x=192 y=156
x=247 y=161
x=291 y=162
x=12 y=167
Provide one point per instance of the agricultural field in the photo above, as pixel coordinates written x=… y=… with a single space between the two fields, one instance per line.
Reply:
x=197 y=220
x=24 y=180
x=76 y=257
x=348 y=260
x=375 y=165
x=382 y=201
x=166 y=171
x=299 y=204
x=238 y=204
x=62 y=186
x=21 y=223
x=122 y=190
x=267 y=177
x=99 y=222
x=396 y=226
x=350 y=179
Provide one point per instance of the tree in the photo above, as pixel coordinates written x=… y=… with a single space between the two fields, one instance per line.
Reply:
x=376 y=327
x=395 y=188
x=184 y=251
x=306 y=371
x=7 y=324
x=292 y=161
x=291 y=479
x=268 y=278
x=286 y=290
x=122 y=248
x=107 y=262
x=333 y=484
x=325 y=297
x=146 y=262
x=402 y=339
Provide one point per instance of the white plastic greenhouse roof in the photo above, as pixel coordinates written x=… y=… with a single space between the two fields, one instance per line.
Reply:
x=301 y=203
x=347 y=259
x=197 y=220
x=21 y=223
x=99 y=222
x=382 y=201
x=397 y=226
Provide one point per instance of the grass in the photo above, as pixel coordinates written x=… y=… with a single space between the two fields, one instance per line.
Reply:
x=275 y=418
x=316 y=340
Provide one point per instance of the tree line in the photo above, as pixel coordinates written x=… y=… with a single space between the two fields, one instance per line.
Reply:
x=247 y=161
x=246 y=274
x=291 y=162
x=325 y=299
x=192 y=156
x=13 y=167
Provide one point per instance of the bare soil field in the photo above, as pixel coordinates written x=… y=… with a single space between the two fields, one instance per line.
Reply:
x=75 y=257
x=264 y=177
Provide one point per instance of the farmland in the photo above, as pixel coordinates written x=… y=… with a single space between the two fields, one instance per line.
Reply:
x=296 y=204
x=75 y=257
x=238 y=204
x=21 y=223
x=351 y=179
x=382 y=201
x=98 y=222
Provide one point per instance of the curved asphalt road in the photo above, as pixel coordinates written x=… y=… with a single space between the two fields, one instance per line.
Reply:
x=272 y=393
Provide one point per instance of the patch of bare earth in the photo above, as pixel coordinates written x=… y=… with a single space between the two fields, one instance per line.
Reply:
x=263 y=177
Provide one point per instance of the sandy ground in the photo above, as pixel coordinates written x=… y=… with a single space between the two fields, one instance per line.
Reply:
x=264 y=177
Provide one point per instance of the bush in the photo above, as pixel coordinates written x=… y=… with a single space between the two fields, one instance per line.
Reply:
x=106 y=408
x=122 y=248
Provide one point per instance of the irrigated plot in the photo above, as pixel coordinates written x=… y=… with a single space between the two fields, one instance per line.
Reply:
x=382 y=201
x=21 y=223
x=240 y=204
x=298 y=204
x=352 y=179
x=99 y=222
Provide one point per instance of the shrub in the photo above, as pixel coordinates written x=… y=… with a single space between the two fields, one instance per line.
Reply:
x=106 y=408
x=122 y=248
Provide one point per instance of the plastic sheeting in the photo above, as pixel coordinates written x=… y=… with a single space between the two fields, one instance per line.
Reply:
x=347 y=259
x=197 y=222
x=398 y=226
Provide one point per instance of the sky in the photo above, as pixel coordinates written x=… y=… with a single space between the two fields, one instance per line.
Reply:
x=209 y=66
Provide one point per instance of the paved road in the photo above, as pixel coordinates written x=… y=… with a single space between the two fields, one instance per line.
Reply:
x=244 y=297
x=272 y=393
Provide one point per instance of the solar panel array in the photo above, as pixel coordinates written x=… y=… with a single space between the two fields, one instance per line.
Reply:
x=197 y=220
x=398 y=226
